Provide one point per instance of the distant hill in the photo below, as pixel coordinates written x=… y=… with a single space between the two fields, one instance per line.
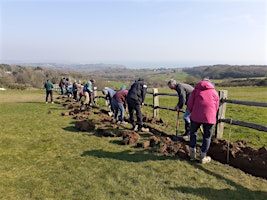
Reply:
x=74 y=67
x=22 y=77
x=228 y=71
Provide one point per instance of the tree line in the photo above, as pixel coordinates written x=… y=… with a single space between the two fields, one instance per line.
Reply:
x=23 y=77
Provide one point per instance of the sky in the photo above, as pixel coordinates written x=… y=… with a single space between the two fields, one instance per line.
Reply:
x=134 y=33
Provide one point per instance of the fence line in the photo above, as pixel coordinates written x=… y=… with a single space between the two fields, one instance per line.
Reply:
x=220 y=114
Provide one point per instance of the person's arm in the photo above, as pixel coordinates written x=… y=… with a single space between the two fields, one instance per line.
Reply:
x=181 y=97
x=143 y=92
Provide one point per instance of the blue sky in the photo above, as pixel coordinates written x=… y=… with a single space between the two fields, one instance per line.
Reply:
x=135 y=33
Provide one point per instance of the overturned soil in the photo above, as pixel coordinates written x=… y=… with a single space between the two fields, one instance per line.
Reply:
x=237 y=154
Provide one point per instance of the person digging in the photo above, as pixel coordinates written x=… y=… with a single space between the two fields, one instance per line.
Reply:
x=183 y=90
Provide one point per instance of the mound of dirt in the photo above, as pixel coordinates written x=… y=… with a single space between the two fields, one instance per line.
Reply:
x=241 y=156
x=85 y=125
x=110 y=132
x=130 y=137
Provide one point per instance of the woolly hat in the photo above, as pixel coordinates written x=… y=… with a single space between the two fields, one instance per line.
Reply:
x=123 y=87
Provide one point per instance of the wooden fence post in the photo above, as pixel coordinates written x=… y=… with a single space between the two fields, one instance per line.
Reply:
x=221 y=114
x=155 y=103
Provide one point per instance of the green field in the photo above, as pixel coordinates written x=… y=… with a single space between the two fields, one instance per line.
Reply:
x=44 y=157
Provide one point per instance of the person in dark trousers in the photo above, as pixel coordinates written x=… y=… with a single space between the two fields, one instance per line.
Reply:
x=135 y=99
x=67 y=83
x=61 y=85
x=75 y=90
x=203 y=105
x=183 y=90
x=49 y=90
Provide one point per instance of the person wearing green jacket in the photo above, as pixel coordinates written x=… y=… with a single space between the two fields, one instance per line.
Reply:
x=49 y=90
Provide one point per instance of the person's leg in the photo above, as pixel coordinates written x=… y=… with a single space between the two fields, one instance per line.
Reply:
x=138 y=110
x=86 y=95
x=75 y=95
x=187 y=122
x=116 y=109
x=193 y=138
x=207 y=128
x=122 y=110
x=131 y=113
x=193 y=134
x=51 y=95
x=46 y=97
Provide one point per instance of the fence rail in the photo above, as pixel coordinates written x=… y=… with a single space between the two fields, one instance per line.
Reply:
x=246 y=103
x=245 y=124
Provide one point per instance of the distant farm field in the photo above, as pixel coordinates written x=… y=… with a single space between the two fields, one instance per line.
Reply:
x=44 y=157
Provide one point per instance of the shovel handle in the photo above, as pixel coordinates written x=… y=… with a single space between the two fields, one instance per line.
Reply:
x=177 y=122
x=178 y=118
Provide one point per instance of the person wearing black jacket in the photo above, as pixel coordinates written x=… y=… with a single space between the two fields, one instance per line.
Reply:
x=135 y=99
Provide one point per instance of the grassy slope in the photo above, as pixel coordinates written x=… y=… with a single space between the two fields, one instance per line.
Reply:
x=43 y=157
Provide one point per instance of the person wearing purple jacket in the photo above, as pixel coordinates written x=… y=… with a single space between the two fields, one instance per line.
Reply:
x=203 y=104
x=119 y=104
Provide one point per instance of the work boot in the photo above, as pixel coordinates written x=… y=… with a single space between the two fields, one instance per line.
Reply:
x=204 y=158
x=143 y=129
x=134 y=127
x=186 y=138
x=192 y=153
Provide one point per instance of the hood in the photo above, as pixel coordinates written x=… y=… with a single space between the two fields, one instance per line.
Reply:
x=204 y=85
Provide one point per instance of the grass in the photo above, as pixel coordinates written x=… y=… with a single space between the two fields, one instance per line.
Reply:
x=44 y=157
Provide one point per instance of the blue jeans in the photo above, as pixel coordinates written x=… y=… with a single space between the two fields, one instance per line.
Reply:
x=118 y=107
x=207 y=128
x=187 y=116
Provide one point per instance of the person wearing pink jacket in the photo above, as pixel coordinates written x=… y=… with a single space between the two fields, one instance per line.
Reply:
x=203 y=104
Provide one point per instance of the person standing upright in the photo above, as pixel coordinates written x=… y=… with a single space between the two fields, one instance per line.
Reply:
x=203 y=105
x=135 y=100
x=61 y=85
x=183 y=90
x=49 y=90
x=89 y=93
x=87 y=90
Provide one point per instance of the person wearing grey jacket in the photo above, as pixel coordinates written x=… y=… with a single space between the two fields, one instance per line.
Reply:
x=183 y=90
